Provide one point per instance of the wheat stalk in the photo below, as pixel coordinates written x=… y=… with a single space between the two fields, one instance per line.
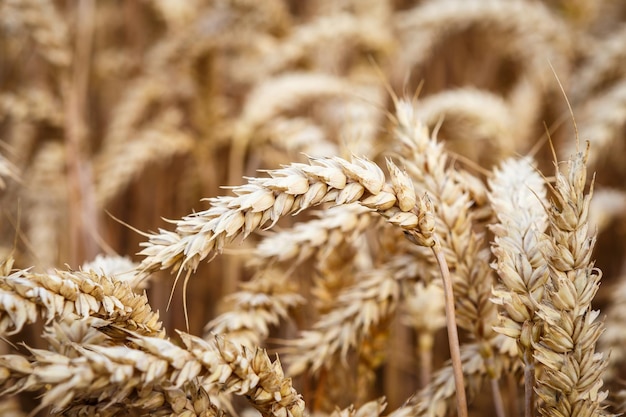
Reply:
x=426 y=163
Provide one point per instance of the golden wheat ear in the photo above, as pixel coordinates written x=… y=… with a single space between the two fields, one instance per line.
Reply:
x=566 y=347
x=518 y=198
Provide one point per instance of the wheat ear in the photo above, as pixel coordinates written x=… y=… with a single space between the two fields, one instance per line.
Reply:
x=264 y=200
x=572 y=370
x=302 y=241
x=518 y=196
x=24 y=295
x=148 y=372
x=373 y=298
x=46 y=26
x=259 y=303
x=521 y=23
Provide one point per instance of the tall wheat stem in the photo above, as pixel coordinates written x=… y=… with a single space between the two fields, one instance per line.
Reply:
x=453 y=335
x=529 y=383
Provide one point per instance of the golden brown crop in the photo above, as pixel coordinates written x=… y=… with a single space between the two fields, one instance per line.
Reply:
x=310 y=208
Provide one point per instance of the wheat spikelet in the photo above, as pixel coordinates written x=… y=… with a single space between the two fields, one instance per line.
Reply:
x=72 y=294
x=571 y=379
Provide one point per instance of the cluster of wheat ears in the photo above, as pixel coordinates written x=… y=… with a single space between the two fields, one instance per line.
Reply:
x=411 y=207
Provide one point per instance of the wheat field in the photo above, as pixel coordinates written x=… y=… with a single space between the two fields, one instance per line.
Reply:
x=287 y=208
